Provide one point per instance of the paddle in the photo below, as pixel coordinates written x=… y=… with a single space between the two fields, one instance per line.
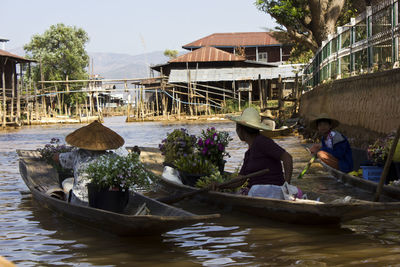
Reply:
x=307 y=166
x=387 y=165
x=173 y=199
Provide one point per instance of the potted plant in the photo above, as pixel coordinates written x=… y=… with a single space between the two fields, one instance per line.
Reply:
x=212 y=146
x=177 y=144
x=112 y=176
x=47 y=153
x=192 y=167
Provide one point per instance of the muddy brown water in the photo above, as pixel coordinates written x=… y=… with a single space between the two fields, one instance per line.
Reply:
x=31 y=235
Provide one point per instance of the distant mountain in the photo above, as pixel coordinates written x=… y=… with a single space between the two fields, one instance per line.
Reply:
x=119 y=66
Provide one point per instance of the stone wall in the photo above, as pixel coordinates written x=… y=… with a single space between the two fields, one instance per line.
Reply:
x=367 y=106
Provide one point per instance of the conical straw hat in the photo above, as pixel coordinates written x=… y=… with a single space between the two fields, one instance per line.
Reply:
x=324 y=116
x=250 y=118
x=95 y=136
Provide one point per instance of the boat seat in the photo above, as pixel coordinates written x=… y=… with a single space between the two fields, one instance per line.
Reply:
x=56 y=192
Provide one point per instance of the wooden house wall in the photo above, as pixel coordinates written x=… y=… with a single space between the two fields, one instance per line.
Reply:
x=273 y=52
x=9 y=69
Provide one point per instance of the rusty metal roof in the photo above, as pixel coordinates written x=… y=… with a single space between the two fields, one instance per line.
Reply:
x=4 y=53
x=208 y=54
x=235 y=39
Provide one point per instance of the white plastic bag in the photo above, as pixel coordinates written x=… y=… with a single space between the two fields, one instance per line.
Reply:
x=266 y=190
x=290 y=192
x=171 y=174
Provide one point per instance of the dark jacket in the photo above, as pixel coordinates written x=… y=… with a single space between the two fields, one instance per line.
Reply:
x=341 y=150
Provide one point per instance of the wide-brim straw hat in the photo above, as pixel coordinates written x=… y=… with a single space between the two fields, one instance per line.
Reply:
x=250 y=118
x=267 y=113
x=95 y=136
x=324 y=116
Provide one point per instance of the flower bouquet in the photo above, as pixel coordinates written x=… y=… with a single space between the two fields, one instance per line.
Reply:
x=212 y=146
x=112 y=176
x=177 y=144
x=49 y=150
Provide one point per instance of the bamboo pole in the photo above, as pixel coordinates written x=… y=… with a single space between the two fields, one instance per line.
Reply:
x=4 y=94
x=19 y=92
x=260 y=92
x=12 y=96
x=387 y=165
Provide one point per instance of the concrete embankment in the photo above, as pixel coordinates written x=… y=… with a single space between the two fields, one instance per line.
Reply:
x=367 y=105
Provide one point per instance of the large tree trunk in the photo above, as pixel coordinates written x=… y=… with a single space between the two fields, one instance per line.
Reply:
x=324 y=15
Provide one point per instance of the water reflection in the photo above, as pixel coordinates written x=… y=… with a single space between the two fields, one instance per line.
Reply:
x=33 y=236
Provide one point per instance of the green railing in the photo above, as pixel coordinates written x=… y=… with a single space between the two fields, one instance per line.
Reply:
x=369 y=43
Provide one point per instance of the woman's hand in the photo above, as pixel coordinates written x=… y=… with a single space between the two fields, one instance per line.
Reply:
x=315 y=148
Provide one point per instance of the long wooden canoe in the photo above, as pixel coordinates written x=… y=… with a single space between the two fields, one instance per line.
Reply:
x=298 y=211
x=392 y=192
x=41 y=178
x=328 y=211
x=278 y=132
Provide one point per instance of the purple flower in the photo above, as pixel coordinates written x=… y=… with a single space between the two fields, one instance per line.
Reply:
x=207 y=141
x=200 y=142
x=221 y=147
x=204 y=151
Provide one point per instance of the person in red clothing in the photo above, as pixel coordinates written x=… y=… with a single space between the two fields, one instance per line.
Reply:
x=262 y=151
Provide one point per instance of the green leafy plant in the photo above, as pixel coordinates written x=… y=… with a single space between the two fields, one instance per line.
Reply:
x=177 y=144
x=116 y=171
x=212 y=145
x=379 y=150
x=195 y=164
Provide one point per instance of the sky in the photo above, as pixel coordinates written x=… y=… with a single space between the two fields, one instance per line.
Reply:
x=131 y=26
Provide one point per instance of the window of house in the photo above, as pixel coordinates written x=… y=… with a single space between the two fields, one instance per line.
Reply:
x=263 y=56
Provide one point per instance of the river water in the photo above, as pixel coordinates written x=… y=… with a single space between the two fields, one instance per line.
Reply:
x=31 y=235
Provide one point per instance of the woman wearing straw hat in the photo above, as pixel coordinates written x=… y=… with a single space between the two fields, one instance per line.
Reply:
x=334 y=149
x=92 y=141
x=263 y=152
x=268 y=119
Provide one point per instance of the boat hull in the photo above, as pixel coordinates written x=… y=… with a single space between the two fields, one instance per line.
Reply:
x=39 y=177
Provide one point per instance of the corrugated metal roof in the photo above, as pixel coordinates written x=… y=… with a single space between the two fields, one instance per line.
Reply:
x=231 y=74
x=208 y=54
x=234 y=39
x=4 y=53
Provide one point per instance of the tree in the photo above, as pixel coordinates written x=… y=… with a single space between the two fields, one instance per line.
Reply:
x=171 y=53
x=60 y=50
x=310 y=21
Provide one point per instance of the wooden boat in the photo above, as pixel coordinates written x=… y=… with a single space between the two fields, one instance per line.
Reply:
x=388 y=191
x=42 y=180
x=278 y=132
x=298 y=211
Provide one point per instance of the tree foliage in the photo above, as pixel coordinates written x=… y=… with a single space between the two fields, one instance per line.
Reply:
x=60 y=52
x=309 y=22
x=171 y=53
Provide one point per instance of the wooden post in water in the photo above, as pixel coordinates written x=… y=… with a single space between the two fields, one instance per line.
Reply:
x=158 y=112
x=19 y=92
x=280 y=95
x=12 y=96
x=260 y=92
x=239 y=100
x=250 y=91
x=4 y=94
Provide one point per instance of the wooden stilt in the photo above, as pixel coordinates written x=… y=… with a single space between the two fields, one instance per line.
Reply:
x=12 y=96
x=4 y=95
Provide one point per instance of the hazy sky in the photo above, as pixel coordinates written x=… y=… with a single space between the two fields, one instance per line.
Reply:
x=131 y=27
